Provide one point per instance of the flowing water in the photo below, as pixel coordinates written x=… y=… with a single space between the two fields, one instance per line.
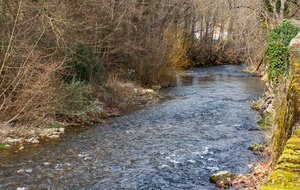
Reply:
x=202 y=128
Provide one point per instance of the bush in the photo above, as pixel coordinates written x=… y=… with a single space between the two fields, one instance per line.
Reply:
x=278 y=59
x=78 y=103
x=277 y=50
x=83 y=64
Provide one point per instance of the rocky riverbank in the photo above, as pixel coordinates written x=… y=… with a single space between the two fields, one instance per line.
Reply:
x=259 y=173
x=11 y=135
x=282 y=172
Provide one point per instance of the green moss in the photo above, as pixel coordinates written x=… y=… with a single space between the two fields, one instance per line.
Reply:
x=279 y=133
x=281 y=179
x=290 y=150
x=288 y=166
x=265 y=122
x=3 y=146
x=286 y=142
x=297 y=133
x=294 y=140
x=296 y=75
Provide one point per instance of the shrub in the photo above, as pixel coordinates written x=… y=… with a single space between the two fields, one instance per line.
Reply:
x=278 y=59
x=77 y=103
x=83 y=64
x=277 y=49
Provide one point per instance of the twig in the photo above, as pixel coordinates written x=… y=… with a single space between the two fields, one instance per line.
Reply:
x=260 y=63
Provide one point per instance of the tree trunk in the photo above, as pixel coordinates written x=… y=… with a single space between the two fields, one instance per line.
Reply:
x=275 y=13
x=281 y=13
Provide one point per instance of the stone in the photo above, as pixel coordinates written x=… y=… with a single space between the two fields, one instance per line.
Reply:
x=14 y=140
x=54 y=136
x=50 y=130
x=35 y=141
x=29 y=140
x=222 y=179
x=146 y=91
x=257 y=148
x=149 y=91
x=295 y=41
x=61 y=130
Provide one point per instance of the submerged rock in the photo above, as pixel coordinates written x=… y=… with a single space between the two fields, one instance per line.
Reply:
x=257 y=147
x=222 y=179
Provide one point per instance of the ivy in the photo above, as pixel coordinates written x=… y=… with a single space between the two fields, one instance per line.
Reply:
x=277 y=53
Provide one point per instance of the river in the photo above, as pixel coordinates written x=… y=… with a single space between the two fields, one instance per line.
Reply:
x=202 y=128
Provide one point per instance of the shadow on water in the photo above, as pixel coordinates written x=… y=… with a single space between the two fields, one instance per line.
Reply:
x=176 y=144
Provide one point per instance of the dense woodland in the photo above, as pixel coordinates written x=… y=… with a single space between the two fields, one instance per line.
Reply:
x=67 y=60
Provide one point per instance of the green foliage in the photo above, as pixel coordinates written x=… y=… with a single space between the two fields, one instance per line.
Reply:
x=277 y=50
x=283 y=33
x=277 y=55
x=265 y=121
x=85 y=66
x=3 y=146
x=3 y=10
x=79 y=104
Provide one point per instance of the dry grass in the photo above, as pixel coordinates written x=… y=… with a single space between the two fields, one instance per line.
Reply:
x=5 y=130
x=13 y=131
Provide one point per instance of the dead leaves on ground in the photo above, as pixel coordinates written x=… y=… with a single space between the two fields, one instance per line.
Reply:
x=255 y=179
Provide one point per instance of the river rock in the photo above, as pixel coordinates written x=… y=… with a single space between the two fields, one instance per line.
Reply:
x=257 y=148
x=14 y=141
x=61 y=130
x=54 y=136
x=146 y=91
x=222 y=179
x=35 y=141
x=29 y=140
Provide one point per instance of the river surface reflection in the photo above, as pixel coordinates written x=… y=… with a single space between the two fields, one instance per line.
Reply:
x=175 y=144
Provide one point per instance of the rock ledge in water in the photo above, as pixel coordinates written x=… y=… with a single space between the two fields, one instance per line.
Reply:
x=222 y=179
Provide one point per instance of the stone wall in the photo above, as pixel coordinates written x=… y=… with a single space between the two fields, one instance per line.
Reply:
x=286 y=134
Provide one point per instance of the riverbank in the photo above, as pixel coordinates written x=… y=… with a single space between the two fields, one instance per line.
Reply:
x=286 y=137
x=260 y=172
x=203 y=127
x=283 y=124
x=132 y=97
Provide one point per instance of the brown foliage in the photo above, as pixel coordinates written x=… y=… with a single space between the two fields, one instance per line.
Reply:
x=38 y=37
x=139 y=41
x=259 y=174
x=27 y=70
